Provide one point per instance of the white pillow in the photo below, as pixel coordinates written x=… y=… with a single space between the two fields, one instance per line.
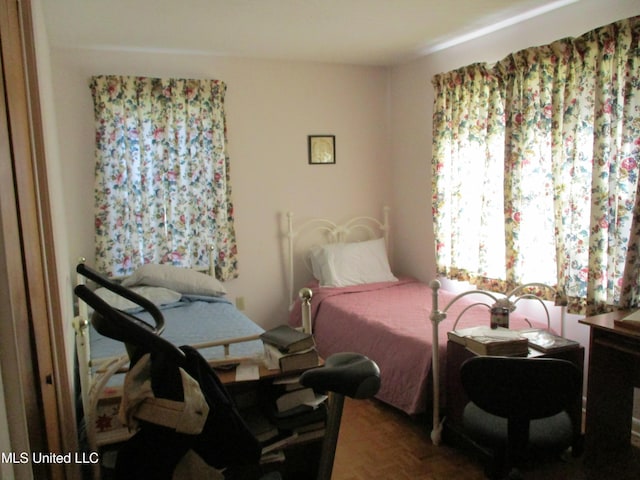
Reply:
x=317 y=258
x=184 y=280
x=157 y=295
x=345 y=264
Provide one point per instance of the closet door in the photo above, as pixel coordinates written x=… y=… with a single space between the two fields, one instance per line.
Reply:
x=29 y=298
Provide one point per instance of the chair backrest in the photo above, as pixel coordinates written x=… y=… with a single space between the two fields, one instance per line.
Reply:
x=517 y=387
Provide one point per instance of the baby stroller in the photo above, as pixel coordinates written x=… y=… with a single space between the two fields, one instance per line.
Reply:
x=207 y=424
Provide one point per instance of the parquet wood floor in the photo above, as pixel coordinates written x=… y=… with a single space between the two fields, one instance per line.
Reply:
x=380 y=442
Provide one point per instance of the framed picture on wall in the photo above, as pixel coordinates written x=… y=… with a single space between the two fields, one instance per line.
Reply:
x=322 y=149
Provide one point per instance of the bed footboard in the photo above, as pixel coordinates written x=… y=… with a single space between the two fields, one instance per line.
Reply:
x=437 y=315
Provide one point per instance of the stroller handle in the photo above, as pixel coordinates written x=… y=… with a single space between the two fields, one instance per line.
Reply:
x=122 y=326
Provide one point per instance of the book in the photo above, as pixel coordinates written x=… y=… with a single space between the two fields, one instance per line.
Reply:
x=287 y=384
x=275 y=359
x=491 y=341
x=299 y=361
x=283 y=438
x=259 y=424
x=274 y=456
x=298 y=417
x=275 y=453
x=546 y=342
x=487 y=345
x=311 y=427
x=303 y=396
x=309 y=435
x=287 y=339
x=631 y=321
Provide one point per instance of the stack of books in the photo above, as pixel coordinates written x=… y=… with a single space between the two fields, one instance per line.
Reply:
x=297 y=409
x=491 y=341
x=286 y=414
x=289 y=350
x=292 y=413
x=504 y=342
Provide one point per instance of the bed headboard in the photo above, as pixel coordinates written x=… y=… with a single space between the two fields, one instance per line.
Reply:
x=320 y=231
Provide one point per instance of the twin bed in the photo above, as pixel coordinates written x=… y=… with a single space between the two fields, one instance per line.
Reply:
x=196 y=312
x=355 y=303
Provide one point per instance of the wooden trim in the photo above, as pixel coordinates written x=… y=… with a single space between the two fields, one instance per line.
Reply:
x=19 y=385
x=33 y=360
x=21 y=389
x=64 y=392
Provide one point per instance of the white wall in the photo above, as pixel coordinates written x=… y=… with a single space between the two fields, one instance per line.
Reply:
x=271 y=108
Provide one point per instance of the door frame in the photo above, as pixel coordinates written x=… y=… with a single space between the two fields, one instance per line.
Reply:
x=34 y=362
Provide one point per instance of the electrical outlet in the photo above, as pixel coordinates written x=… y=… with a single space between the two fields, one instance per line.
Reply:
x=240 y=303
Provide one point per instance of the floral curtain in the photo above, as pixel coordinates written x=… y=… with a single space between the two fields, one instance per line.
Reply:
x=568 y=115
x=603 y=135
x=162 y=189
x=468 y=174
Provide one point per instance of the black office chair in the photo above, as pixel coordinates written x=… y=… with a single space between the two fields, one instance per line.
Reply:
x=519 y=407
x=225 y=442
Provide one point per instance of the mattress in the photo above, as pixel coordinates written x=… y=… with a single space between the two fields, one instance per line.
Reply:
x=390 y=323
x=194 y=319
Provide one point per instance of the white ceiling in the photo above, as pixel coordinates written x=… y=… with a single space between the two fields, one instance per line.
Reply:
x=361 y=32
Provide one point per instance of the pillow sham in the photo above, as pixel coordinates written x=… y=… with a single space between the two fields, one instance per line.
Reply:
x=346 y=264
x=157 y=295
x=184 y=280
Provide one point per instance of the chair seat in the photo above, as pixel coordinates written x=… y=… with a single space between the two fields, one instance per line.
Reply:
x=554 y=433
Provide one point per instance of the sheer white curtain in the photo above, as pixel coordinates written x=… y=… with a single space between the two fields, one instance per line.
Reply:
x=468 y=174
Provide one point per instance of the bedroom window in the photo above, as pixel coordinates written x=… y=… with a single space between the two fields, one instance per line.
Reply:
x=535 y=169
x=162 y=190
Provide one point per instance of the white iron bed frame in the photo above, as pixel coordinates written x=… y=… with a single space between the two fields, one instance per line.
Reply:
x=95 y=374
x=357 y=228
x=436 y=316
x=333 y=232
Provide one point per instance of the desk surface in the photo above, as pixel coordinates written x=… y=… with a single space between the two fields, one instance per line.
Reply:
x=228 y=377
x=606 y=321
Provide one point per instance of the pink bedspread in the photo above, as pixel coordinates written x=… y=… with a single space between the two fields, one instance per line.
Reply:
x=389 y=322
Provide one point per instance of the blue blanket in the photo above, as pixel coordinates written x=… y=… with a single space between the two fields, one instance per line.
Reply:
x=192 y=320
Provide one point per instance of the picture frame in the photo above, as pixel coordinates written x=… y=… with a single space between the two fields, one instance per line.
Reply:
x=322 y=149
